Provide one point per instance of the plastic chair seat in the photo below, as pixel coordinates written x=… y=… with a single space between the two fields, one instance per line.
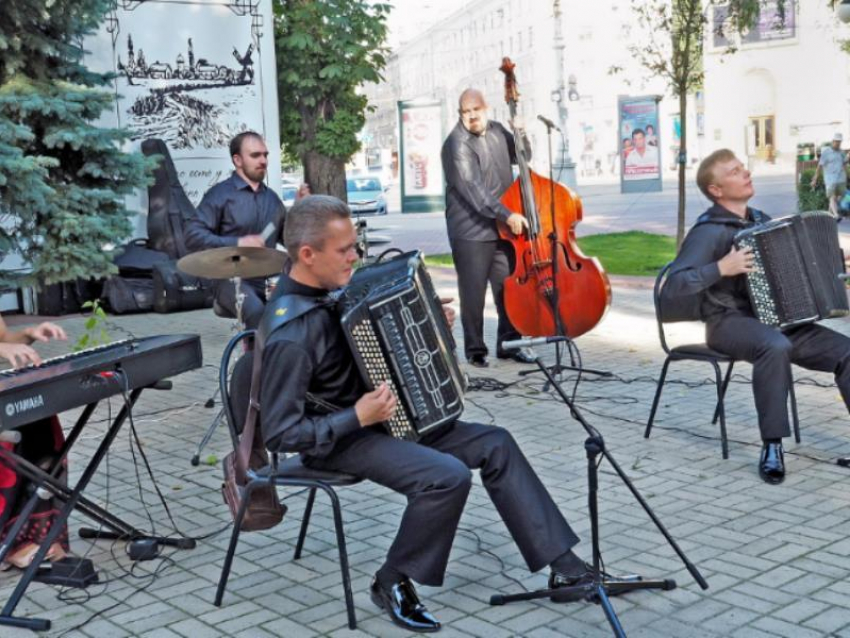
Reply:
x=292 y=468
x=698 y=351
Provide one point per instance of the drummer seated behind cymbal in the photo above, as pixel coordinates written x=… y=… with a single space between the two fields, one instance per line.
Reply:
x=710 y=266
x=235 y=212
x=310 y=353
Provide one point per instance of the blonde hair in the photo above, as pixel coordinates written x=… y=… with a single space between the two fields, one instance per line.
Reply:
x=705 y=172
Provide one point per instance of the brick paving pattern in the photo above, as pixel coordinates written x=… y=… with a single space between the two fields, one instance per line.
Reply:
x=776 y=558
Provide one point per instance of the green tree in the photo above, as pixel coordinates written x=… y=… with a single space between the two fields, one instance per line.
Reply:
x=672 y=34
x=325 y=50
x=62 y=178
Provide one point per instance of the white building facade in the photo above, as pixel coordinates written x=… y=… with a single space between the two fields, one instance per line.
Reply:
x=787 y=84
x=465 y=49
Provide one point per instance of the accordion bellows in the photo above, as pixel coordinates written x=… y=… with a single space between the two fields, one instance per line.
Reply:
x=394 y=322
x=798 y=261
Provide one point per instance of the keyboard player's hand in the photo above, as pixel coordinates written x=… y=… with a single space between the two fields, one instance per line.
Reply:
x=19 y=354
x=45 y=332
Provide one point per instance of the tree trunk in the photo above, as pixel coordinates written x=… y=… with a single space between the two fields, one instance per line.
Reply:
x=325 y=175
x=681 y=160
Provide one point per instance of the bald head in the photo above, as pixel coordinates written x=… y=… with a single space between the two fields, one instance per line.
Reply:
x=472 y=108
x=471 y=94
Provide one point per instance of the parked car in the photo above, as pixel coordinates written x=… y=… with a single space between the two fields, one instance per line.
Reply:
x=288 y=193
x=366 y=196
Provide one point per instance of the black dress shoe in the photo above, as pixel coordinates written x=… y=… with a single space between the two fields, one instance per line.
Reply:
x=580 y=586
x=522 y=355
x=479 y=361
x=403 y=606
x=772 y=463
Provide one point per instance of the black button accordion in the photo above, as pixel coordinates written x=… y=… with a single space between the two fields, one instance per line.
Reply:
x=798 y=263
x=398 y=334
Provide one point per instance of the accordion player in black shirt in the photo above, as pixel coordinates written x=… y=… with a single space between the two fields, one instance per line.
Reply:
x=710 y=269
x=310 y=355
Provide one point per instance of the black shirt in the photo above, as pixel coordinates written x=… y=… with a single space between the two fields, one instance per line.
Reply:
x=310 y=354
x=478 y=171
x=232 y=209
x=695 y=270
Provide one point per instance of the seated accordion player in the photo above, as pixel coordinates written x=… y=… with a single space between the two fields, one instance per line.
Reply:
x=798 y=271
x=394 y=322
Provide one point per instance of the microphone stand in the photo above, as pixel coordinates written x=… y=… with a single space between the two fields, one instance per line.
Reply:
x=602 y=586
x=554 y=299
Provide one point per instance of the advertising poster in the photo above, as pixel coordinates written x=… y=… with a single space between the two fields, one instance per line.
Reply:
x=193 y=73
x=772 y=24
x=421 y=135
x=640 y=143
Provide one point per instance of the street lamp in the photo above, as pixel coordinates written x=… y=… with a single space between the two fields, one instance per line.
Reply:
x=564 y=164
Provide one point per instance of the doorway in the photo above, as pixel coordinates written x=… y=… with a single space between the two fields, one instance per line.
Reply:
x=762 y=132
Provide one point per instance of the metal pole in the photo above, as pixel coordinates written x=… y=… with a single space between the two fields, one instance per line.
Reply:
x=565 y=168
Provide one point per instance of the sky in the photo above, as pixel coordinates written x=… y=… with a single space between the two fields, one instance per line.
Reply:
x=409 y=18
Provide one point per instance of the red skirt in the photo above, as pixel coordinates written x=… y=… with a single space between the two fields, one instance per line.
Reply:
x=40 y=443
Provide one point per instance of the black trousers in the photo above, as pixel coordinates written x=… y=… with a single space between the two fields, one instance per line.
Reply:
x=772 y=352
x=476 y=263
x=252 y=306
x=434 y=475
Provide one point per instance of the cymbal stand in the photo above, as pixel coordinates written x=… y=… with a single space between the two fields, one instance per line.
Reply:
x=602 y=586
x=237 y=327
x=362 y=245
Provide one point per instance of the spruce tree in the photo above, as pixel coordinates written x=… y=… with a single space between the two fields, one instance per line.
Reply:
x=63 y=179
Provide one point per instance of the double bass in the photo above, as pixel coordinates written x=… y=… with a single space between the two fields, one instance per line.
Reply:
x=550 y=272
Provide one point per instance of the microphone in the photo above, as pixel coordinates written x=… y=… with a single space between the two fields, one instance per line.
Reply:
x=530 y=342
x=549 y=123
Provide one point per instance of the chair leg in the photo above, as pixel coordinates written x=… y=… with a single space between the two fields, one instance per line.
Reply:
x=794 y=417
x=231 y=549
x=196 y=460
x=725 y=387
x=657 y=398
x=343 y=556
x=305 y=521
x=724 y=444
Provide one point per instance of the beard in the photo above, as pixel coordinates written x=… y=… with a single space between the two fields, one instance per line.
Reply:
x=256 y=174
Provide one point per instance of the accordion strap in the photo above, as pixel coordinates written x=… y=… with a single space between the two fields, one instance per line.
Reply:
x=285 y=309
x=277 y=314
x=251 y=442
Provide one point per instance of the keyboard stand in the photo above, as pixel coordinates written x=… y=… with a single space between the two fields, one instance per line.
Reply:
x=72 y=499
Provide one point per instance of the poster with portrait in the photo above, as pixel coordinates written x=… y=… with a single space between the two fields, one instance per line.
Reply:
x=193 y=73
x=639 y=144
x=421 y=135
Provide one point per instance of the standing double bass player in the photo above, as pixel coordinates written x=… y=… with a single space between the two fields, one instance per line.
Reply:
x=477 y=158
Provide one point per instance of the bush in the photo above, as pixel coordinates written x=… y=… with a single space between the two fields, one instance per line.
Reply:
x=809 y=198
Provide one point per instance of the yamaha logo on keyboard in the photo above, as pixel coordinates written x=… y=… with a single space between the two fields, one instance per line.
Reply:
x=24 y=405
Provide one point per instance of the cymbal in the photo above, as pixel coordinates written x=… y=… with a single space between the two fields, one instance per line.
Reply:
x=234 y=261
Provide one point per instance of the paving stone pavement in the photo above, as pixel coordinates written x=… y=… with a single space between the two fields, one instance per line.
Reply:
x=776 y=557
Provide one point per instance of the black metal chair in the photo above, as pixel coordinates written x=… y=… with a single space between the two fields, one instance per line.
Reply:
x=700 y=352
x=282 y=472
